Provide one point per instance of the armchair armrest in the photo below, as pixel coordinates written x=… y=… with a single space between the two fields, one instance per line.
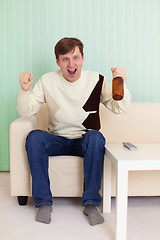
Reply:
x=19 y=169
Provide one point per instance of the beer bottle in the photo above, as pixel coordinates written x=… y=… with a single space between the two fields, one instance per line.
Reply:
x=117 y=88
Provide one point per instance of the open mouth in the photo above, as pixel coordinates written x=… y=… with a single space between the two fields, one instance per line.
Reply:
x=72 y=71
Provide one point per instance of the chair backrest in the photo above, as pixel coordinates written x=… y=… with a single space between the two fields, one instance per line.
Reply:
x=140 y=124
x=43 y=117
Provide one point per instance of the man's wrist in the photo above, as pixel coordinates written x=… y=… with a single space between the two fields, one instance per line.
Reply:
x=25 y=91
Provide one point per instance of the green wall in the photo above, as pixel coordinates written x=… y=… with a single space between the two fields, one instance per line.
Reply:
x=115 y=33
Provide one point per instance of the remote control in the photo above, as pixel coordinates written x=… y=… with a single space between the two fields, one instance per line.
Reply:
x=130 y=146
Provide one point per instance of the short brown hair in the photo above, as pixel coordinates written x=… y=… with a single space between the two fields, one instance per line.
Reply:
x=66 y=45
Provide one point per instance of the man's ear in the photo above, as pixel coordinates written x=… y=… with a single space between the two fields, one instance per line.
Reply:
x=57 y=61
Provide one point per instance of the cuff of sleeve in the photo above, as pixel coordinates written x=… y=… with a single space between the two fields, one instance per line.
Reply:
x=24 y=92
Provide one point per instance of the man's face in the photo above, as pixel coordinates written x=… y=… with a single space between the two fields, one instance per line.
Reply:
x=71 y=65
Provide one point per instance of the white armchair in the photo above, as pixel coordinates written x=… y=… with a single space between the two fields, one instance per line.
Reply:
x=66 y=172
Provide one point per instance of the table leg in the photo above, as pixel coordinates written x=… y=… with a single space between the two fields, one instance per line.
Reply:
x=121 y=204
x=107 y=186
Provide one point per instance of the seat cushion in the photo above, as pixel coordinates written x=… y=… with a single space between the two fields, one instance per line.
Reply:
x=66 y=176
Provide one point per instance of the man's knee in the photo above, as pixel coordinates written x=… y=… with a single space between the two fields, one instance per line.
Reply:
x=95 y=136
x=33 y=136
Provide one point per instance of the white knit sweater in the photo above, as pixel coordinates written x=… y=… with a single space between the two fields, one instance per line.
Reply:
x=73 y=107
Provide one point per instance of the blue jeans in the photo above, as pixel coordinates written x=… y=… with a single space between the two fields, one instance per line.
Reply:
x=41 y=144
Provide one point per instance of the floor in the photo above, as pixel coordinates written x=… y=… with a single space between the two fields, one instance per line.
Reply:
x=69 y=223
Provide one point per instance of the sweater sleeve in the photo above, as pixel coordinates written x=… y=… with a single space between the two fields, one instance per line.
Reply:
x=117 y=107
x=29 y=102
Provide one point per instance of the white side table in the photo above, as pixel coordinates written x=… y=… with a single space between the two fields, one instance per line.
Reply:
x=147 y=157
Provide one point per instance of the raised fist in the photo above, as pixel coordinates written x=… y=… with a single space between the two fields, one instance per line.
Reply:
x=26 y=80
x=119 y=72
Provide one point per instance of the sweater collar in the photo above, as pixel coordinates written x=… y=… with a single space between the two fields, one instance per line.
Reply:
x=71 y=83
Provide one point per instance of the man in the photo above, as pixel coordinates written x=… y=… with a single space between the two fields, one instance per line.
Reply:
x=73 y=97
